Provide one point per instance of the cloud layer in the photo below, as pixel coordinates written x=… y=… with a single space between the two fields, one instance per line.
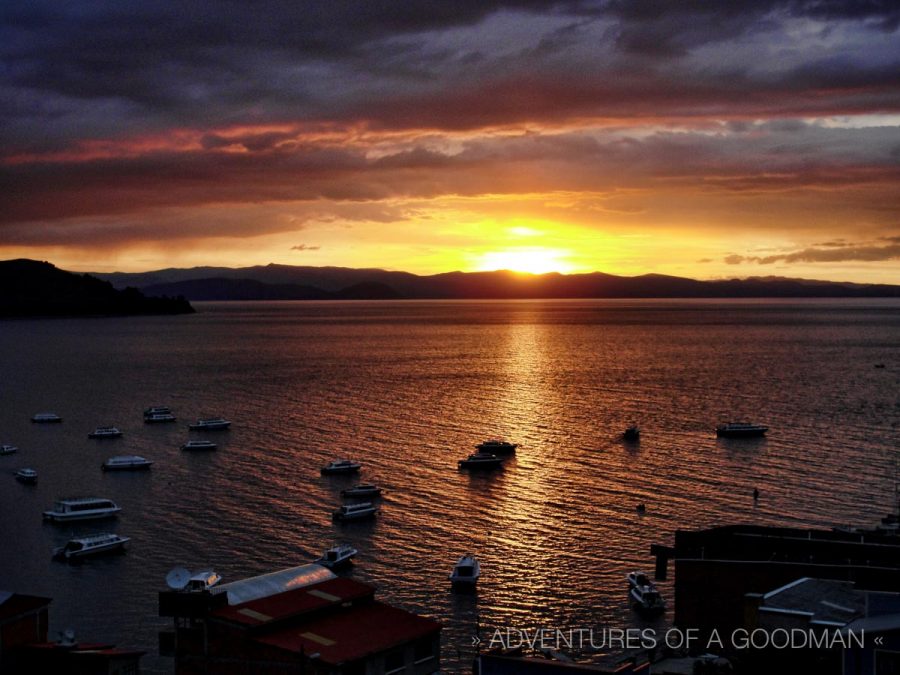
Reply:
x=116 y=115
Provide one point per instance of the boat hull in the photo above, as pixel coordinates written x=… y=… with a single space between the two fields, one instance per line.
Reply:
x=741 y=433
x=127 y=467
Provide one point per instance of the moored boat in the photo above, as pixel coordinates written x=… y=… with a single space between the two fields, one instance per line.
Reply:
x=632 y=433
x=644 y=594
x=96 y=544
x=740 y=430
x=497 y=446
x=466 y=572
x=105 y=432
x=46 y=418
x=27 y=476
x=81 y=508
x=337 y=557
x=360 y=511
x=126 y=463
x=209 y=424
x=199 y=445
x=480 y=460
x=362 y=490
x=338 y=466
x=8 y=449
x=159 y=418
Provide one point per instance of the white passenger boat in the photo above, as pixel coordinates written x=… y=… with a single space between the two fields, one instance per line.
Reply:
x=105 y=432
x=27 y=476
x=360 y=511
x=341 y=466
x=480 y=460
x=466 y=572
x=81 y=508
x=740 y=430
x=92 y=545
x=362 y=490
x=157 y=410
x=210 y=424
x=126 y=463
x=644 y=594
x=8 y=449
x=199 y=445
x=337 y=557
x=159 y=418
x=497 y=446
x=46 y=418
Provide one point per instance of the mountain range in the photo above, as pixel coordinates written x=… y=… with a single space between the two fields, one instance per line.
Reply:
x=287 y=282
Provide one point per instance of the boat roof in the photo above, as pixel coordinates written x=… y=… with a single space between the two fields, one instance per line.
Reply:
x=82 y=500
x=95 y=538
x=127 y=458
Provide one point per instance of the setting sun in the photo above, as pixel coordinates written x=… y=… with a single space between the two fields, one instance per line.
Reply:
x=531 y=260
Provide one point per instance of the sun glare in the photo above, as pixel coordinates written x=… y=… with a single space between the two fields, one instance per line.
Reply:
x=531 y=260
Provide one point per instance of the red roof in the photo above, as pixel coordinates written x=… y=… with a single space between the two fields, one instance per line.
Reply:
x=18 y=604
x=352 y=634
x=295 y=603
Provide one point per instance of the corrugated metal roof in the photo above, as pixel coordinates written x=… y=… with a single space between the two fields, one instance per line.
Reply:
x=353 y=634
x=295 y=603
x=266 y=585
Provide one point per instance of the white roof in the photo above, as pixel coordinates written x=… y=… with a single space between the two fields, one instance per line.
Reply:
x=273 y=583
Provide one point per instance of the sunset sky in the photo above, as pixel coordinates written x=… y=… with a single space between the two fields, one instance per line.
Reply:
x=702 y=139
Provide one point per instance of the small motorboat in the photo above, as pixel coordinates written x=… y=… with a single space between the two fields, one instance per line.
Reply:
x=92 y=545
x=466 y=572
x=199 y=445
x=8 y=449
x=337 y=557
x=362 y=490
x=27 y=476
x=46 y=418
x=644 y=594
x=126 y=463
x=210 y=424
x=339 y=466
x=740 y=430
x=497 y=446
x=632 y=433
x=360 y=511
x=480 y=460
x=105 y=432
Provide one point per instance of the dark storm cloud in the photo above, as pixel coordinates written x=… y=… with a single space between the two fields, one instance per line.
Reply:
x=104 y=69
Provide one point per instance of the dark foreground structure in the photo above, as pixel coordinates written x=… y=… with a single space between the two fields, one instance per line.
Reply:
x=299 y=620
x=822 y=600
x=24 y=648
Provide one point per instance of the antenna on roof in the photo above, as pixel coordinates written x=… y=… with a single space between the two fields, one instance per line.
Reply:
x=67 y=638
x=178 y=578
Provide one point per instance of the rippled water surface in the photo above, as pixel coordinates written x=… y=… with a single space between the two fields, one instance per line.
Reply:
x=407 y=388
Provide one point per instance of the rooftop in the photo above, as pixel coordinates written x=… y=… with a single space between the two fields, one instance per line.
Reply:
x=347 y=636
x=825 y=601
x=295 y=603
x=13 y=605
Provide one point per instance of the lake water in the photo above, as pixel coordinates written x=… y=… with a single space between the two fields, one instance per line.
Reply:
x=408 y=388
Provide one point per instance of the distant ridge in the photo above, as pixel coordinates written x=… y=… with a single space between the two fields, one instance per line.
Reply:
x=286 y=282
x=32 y=288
